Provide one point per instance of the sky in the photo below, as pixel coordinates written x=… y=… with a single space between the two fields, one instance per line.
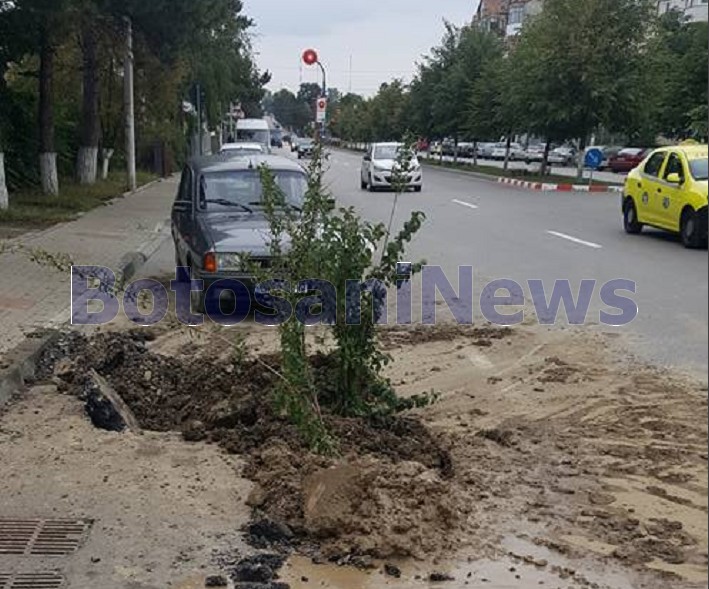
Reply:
x=382 y=39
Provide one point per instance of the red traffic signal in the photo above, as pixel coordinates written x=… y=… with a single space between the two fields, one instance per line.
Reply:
x=310 y=56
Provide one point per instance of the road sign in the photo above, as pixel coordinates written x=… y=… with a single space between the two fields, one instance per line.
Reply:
x=310 y=56
x=594 y=159
x=321 y=116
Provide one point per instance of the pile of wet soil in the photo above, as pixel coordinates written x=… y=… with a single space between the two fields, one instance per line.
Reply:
x=390 y=494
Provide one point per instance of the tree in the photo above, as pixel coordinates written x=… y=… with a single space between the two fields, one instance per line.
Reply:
x=290 y=111
x=576 y=67
x=309 y=93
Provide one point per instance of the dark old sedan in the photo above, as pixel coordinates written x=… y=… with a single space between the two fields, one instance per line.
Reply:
x=218 y=218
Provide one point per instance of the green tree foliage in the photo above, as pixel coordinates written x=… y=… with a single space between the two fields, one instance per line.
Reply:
x=176 y=44
x=290 y=111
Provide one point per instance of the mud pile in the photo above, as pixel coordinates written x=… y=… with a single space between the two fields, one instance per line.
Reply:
x=390 y=496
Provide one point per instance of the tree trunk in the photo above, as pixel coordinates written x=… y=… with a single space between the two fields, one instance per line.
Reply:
x=47 y=153
x=87 y=163
x=455 y=151
x=106 y=154
x=475 y=153
x=545 y=157
x=508 y=146
x=580 y=158
x=4 y=197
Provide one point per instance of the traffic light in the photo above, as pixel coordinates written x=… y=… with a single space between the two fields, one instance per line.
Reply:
x=310 y=57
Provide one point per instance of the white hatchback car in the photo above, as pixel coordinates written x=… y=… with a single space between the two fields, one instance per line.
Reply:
x=379 y=164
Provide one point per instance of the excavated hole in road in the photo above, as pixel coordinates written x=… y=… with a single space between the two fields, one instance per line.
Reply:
x=391 y=495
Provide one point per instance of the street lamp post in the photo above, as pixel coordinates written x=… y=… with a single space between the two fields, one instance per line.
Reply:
x=310 y=57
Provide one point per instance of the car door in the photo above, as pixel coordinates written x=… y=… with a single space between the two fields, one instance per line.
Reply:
x=672 y=193
x=367 y=165
x=649 y=196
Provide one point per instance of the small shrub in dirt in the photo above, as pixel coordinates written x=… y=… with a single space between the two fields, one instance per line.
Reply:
x=341 y=248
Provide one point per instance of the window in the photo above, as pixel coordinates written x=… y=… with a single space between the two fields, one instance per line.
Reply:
x=184 y=192
x=517 y=14
x=700 y=169
x=243 y=189
x=674 y=166
x=654 y=164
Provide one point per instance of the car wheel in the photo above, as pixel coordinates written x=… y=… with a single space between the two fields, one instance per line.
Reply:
x=181 y=276
x=630 y=218
x=362 y=184
x=370 y=184
x=689 y=230
x=418 y=188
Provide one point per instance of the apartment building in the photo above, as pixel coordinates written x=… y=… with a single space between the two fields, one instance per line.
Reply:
x=506 y=17
x=695 y=10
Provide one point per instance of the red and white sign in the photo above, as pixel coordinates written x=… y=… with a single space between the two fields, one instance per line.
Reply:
x=321 y=115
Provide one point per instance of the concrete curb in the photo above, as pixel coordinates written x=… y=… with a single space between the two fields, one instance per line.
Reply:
x=22 y=365
x=545 y=187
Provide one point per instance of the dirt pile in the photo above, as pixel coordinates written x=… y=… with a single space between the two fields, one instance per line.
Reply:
x=396 y=498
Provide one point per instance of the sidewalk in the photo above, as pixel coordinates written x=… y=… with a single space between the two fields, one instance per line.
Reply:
x=34 y=295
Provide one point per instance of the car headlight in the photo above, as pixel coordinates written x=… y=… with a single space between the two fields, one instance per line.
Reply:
x=231 y=261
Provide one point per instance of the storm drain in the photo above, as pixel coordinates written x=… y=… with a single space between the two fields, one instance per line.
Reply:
x=31 y=581
x=41 y=537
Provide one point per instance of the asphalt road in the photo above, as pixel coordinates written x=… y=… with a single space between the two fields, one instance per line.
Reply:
x=521 y=235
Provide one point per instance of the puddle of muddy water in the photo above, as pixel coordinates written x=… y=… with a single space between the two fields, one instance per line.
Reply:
x=504 y=573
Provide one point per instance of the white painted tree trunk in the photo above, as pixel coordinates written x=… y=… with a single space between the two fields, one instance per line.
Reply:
x=87 y=164
x=48 y=173
x=106 y=162
x=4 y=198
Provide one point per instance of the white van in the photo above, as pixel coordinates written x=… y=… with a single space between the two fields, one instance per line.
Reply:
x=254 y=131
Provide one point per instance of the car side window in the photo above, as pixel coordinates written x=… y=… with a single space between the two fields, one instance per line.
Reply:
x=674 y=166
x=654 y=165
x=185 y=183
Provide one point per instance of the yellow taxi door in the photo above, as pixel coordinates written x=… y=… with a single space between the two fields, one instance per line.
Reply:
x=672 y=194
x=650 y=197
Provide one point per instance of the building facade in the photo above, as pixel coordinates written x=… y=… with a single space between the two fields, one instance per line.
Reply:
x=694 y=10
x=506 y=17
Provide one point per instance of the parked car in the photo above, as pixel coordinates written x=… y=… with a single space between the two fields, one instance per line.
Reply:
x=485 y=150
x=242 y=148
x=608 y=153
x=466 y=149
x=218 y=218
x=562 y=156
x=295 y=140
x=378 y=167
x=534 y=153
x=517 y=152
x=306 y=147
x=669 y=190
x=627 y=159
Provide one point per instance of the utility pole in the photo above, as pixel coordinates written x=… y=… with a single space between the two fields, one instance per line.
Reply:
x=199 y=119
x=129 y=105
x=350 y=85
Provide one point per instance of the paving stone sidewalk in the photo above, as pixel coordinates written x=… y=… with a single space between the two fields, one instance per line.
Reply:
x=35 y=295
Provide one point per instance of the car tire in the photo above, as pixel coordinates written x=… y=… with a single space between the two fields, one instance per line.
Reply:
x=181 y=276
x=370 y=185
x=689 y=230
x=362 y=184
x=418 y=188
x=630 y=218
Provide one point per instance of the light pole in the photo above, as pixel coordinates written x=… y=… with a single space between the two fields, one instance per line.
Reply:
x=310 y=57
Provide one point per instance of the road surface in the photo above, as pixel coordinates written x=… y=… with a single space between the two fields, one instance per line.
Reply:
x=513 y=233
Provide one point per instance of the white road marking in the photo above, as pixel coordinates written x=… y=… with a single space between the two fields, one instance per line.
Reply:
x=575 y=239
x=465 y=204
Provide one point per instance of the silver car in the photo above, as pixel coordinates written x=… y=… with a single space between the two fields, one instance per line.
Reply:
x=379 y=164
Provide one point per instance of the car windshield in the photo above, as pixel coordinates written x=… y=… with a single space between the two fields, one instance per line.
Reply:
x=243 y=190
x=386 y=152
x=700 y=169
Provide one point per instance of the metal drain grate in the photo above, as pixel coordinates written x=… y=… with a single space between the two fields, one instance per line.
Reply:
x=41 y=537
x=31 y=581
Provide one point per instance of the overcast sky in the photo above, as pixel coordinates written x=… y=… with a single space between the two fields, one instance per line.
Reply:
x=383 y=38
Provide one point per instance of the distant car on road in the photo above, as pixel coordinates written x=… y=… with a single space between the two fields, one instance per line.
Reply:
x=379 y=165
x=627 y=159
x=218 y=216
x=669 y=190
x=242 y=149
x=485 y=150
x=305 y=148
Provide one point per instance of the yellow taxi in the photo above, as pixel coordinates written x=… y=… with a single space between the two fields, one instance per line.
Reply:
x=668 y=190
